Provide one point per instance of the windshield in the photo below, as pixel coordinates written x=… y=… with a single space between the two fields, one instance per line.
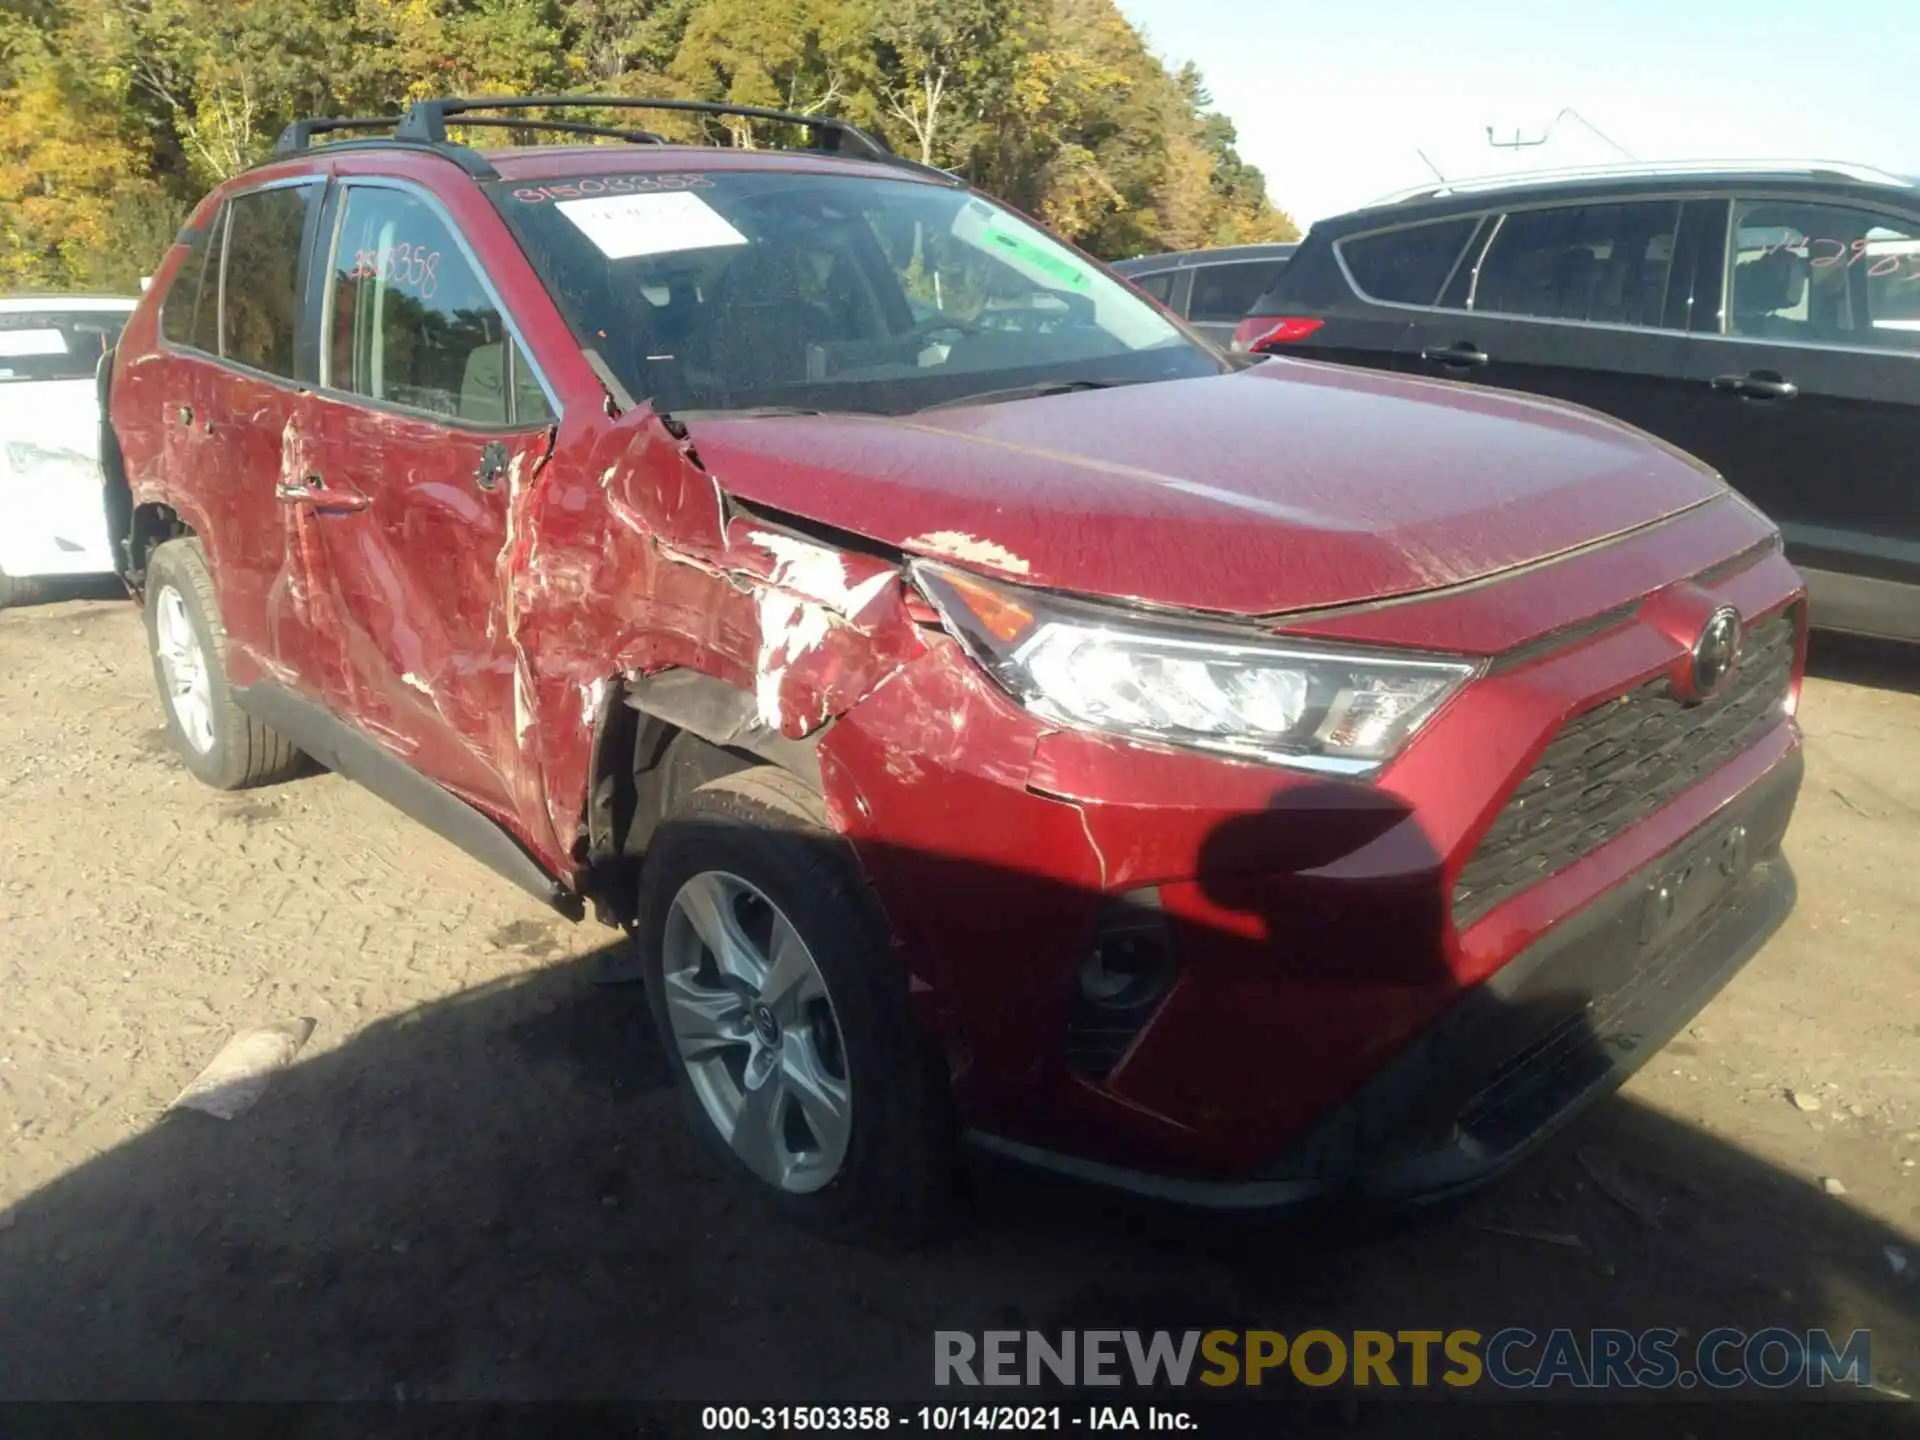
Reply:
x=824 y=292
x=56 y=344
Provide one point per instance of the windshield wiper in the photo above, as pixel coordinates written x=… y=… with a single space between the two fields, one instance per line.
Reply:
x=745 y=412
x=1022 y=392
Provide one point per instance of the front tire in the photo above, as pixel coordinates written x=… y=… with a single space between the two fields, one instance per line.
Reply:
x=18 y=590
x=214 y=738
x=785 y=1016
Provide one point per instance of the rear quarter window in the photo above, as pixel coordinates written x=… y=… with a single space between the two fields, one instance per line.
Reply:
x=179 y=307
x=1406 y=266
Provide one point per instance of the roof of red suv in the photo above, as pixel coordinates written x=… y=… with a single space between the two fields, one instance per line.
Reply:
x=837 y=146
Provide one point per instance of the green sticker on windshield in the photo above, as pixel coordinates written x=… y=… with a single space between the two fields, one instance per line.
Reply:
x=1055 y=266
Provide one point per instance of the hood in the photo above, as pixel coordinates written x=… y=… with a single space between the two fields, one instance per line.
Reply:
x=61 y=415
x=1283 y=487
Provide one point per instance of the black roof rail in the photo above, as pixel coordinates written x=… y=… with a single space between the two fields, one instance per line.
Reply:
x=426 y=122
x=570 y=127
x=424 y=128
x=299 y=135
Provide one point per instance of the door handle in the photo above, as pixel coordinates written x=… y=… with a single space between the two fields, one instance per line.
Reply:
x=1466 y=355
x=493 y=464
x=315 y=495
x=1757 y=385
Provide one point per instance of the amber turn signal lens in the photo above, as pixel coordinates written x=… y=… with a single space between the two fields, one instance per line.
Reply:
x=1000 y=616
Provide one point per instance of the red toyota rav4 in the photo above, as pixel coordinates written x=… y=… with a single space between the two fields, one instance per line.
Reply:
x=994 y=713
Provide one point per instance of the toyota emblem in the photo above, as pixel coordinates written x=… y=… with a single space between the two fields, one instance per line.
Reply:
x=1716 y=653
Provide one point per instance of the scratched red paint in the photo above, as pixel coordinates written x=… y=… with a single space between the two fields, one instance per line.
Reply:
x=471 y=631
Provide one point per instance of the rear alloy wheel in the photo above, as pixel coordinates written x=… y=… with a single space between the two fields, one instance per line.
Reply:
x=214 y=738
x=756 y=1030
x=783 y=1008
x=183 y=669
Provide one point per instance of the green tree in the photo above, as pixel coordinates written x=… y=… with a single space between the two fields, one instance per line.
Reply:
x=115 y=115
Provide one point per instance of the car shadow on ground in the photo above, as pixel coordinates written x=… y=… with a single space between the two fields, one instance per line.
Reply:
x=495 y=1196
x=1861 y=660
x=53 y=589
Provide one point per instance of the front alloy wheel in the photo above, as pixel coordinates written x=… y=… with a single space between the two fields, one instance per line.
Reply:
x=750 y=1013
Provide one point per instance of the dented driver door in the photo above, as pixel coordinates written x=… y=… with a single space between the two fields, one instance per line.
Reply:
x=428 y=423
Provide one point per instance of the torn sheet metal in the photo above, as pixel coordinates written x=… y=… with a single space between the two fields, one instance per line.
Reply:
x=629 y=566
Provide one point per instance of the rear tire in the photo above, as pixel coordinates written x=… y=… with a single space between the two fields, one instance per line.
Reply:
x=861 y=1111
x=214 y=738
x=19 y=590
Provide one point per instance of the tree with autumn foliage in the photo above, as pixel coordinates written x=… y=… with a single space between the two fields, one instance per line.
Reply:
x=115 y=115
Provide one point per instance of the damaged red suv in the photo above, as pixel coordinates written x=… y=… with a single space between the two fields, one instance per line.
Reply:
x=995 y=715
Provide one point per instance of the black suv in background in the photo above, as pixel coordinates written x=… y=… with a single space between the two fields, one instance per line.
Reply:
x=1764 y=316
x=1210 y=289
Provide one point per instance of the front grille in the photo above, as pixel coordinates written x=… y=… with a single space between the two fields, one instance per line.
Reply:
x=1613 y=766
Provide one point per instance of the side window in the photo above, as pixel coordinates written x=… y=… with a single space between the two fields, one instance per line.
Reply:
x=183 y=295
x=190 y=313
x=410 y=323
x=1825 y=274
x=206 y=315
x=1159 y=284
x=1601 y=263
x=1407 y=267
x=262 y=277
x=1227 y=292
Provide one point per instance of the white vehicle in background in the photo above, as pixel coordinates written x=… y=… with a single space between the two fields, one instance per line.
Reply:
x=52 y=519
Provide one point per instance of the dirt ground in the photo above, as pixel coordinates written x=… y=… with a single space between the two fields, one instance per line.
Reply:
x=474 y=1184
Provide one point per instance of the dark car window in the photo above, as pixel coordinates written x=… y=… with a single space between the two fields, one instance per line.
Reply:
x=54 y=344
x=1601 y=263
x=742 y=289
x=262 y=285
x=409 y=322
x=1824 y=273
x=1407 y=267
x=182 y=299
x=1159 y=284
x=205 y=334
x=1227 y=292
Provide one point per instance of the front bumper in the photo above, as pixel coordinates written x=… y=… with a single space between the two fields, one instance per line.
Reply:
x=1314 y=924
x=1557 y=1028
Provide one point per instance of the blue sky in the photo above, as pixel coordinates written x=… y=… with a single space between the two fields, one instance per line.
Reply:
x=1333 y=99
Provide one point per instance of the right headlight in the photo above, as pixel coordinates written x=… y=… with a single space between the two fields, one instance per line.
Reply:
x=1315 y=707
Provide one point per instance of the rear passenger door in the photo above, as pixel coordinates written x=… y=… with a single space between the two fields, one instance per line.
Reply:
x=1811 y=379
x=428 y=420
x=1584 y=302
x=240 y=416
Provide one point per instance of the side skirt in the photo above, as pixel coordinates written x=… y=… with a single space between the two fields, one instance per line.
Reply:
x=345 y=751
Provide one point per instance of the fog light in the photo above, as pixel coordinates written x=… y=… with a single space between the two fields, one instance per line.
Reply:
x=1123 y=971
x=1129 y=968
